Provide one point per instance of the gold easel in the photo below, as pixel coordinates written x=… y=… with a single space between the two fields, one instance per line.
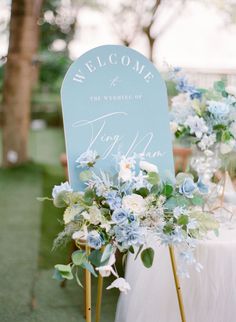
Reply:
x=100 y=287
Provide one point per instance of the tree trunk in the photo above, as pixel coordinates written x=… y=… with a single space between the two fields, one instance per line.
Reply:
x=18 y=79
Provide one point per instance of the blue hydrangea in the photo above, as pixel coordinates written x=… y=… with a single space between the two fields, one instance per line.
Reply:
x=218 y=109
x=129 y=235
x=94 y=239
x=120 y=216
x=113 y=200
x=187 y=188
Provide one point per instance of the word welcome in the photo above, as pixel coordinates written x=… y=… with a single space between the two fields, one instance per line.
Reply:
x=98 y=62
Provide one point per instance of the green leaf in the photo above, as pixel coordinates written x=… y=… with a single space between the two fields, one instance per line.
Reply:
x=131 y=249
x=167 y=190
x=153 y=178
x=65 y=271
x=95 y=257
x=171 y=203
x=78 y=280
x=183 y=220
x=89 y=196
x=85 y=175
x=78 y=257
x=142 y=192
x=57 y=275
x=89 y=267
x=197 y=201
x=60 y=200
x=147 y=257
x=107 y=253
x=219 y=86
x=138 y=252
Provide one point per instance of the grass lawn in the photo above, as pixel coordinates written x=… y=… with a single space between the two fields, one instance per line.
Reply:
x=28 y=227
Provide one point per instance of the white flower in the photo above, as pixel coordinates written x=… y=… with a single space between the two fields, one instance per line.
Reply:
x=80 y=234
x=63 y=187
x=227 y=146
x=207 y=141
x=181 y=101
x=95 y=215
x=86 y=215
x=134 y=203
x=121 y=284
x=107 y=270
x=173 y=127
x=148 y=167
x=231 y=90
x=126 y=169
x=87 y=159
x=197 y=125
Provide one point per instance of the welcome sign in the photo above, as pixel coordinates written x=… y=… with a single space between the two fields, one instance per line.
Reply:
x=114 y=101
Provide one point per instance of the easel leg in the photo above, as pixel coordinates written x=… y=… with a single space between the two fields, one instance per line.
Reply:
x=88 y=291
x=99 y=298
x=177 y=284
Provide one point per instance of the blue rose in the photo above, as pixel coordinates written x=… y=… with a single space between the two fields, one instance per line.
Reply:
x=94 y=239
x=218 y=109
x=187 y=188
x=202 y=187
x=120 y=216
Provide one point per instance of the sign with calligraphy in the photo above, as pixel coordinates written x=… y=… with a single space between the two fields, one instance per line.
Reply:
x=114 y=101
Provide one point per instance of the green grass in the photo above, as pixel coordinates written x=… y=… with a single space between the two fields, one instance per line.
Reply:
x=27 y=230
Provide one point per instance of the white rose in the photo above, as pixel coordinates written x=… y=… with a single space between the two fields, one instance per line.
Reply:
x=134 y=203
x=173 y=127
x=125 y=175
x=227 y=147
x=95 y=215
x=231 y=90
x=149 y=167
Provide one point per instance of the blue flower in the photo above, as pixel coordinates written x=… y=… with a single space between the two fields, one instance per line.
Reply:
x=113 y=200
x=218 y=109
x=129 y=235
x=195 y=94
x=202 y=187
x=94 y=239
x=120 y=216
x=187 y=188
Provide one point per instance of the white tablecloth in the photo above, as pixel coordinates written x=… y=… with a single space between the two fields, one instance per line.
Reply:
x=209 y=296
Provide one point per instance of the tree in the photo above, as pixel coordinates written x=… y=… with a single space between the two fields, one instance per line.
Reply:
x=18 y=79
x=133 y=18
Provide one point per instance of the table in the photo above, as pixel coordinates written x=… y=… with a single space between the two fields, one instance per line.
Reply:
x=209 y=296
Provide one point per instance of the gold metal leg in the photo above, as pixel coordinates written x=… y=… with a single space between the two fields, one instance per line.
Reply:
x=177 y=284
x=99 y=298
x=88 y=291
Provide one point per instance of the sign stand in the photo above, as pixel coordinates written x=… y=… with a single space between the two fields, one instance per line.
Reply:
x=177 y=284
x=88 y=304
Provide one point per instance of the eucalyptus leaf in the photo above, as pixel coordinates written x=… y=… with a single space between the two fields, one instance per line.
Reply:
x=153 y=178
x=89 y=197
x=78 y=280
x=197 y=201
x=167 y=190
x=65 y=271
x=95 y=257
x=89 y=267
x=147 y=257
x=78 y=257
x=183 y=220
x=85 y=175
x=138 y=252
x=107 y=253
x=60 y=200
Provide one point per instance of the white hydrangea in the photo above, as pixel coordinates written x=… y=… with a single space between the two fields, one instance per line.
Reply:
x=197 y=125
x=207 y=141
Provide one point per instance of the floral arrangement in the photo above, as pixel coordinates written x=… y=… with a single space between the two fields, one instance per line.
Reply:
x=206 y=116
x=125 y=211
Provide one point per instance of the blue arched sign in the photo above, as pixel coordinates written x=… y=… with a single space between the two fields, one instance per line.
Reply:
x=114 y=101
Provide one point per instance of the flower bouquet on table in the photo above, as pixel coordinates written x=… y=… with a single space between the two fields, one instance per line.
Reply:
x=206 y=117
x=122 y=210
